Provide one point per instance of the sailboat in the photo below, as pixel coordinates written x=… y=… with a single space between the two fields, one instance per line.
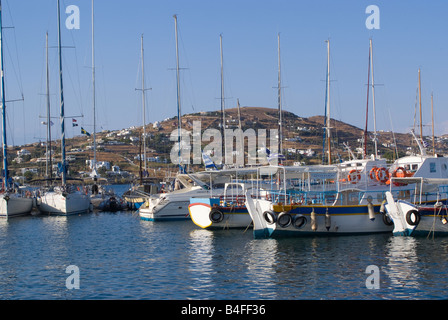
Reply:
x=64 y=199
x=11 y=203
x=138 y=194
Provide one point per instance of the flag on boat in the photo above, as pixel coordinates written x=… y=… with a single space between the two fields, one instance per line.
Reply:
x=272 y=156
x=208 y=162
x=74 y=122
x=83 y=131
x=45 y=123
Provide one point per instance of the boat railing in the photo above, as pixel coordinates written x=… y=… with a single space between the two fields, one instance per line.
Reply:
x=232 y=200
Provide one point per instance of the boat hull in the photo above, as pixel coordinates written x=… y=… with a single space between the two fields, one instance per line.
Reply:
x=174 y=210
x=13 y=206
x=55 y=203
x=170 y=206
x=315 y=220
x=222 y=217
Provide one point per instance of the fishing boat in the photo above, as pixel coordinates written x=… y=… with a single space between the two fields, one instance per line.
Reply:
x=12 y=203
x=419 y=218
x=64 y=199
x=227 y=211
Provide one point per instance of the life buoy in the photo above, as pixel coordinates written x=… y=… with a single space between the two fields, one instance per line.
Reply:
x=399 y=172
x=413 y=217
x=269 y=217
x=284 y=220
x=372 y=173
x=216 y=216
x=354 y=176
x=382 y=175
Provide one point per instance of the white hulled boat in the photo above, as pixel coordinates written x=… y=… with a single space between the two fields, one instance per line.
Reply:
x=11 y=203
x=65 y=199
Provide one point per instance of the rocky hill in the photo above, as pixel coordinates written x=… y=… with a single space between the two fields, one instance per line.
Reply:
x=303 y=139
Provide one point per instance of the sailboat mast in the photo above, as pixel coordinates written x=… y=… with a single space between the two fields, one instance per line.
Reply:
x=144 y=106
x=367 y=107
x=93 y=88
x=432 y=116
x=223 y=120
x=373 y=102
x=420 y=103
x=5 y=147
x=48 y=169
x=61 y=92
x=328 y=102
x=179 y=124
x=279 y=95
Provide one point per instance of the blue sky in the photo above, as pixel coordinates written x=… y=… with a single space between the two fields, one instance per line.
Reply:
x=411 y=36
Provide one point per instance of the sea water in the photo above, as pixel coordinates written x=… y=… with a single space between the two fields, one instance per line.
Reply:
x=119 y=256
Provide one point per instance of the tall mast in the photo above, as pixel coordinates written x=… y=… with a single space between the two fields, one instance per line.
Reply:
x=223 y=120
x=5 y=147
x=280 y=119
x=144 y=106
x=48 y=168
x=420 y=103
x=328 y=124
x=432 y=116
x=179 y=124
x=367 y=107
x=94 y=93
x=373 y=101
x=61 y=92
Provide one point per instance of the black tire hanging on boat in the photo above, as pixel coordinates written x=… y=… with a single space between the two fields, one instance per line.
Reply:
x=269 y=217
x=284 y=220
x=387 y=220
x=299 y=222
x=216 y=216
x=413 y=217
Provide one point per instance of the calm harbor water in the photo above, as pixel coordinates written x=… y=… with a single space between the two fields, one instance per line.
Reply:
x=120 y=256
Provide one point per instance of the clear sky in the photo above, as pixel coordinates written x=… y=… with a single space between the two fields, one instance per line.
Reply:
x=412 y=35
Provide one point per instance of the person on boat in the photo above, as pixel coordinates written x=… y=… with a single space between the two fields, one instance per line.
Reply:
x=95 y=187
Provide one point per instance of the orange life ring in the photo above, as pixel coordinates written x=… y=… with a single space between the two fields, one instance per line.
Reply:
x=382 y=175
x=354 y=176
x=399 y=172
x=372 y=174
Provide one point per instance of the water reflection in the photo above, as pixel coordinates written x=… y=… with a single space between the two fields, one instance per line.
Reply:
x=261 y=261
x=402 y=262
x=200 y=260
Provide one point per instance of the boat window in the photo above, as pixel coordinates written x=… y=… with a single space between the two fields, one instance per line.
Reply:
x=432 y=167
